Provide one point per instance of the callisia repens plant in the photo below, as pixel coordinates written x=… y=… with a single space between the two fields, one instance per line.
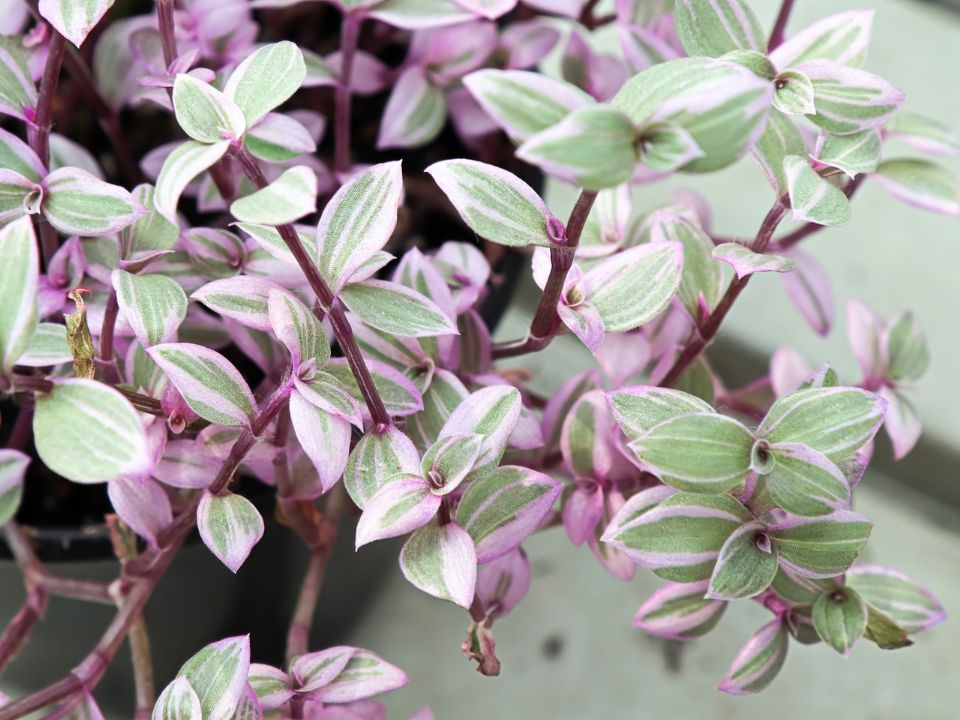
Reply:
x=230 y=294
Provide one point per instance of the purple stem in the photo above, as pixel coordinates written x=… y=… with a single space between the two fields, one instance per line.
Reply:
x=349 y=34
x=168 y=37
x=780 y=26
x=329 y=303
x=545 y=322
x=705 y=333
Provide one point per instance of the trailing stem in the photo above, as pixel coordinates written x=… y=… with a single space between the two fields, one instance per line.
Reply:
x=349 y=34
x=545 y=323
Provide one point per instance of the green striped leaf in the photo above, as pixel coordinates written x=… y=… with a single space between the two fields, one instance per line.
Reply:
x=89 y=433
x=230 y=526
x=853 y=154
x=19 y=278
x=639 y=408
x=502 y=508
x=324 y=437
x=152 y=232
x=493 y=413
x=297 y=328
x=13 y=466
x=702 y=277
x=18 y=196
x=921 y=183
x=593 y=147
x=396 y=309
x=440 y=399
x=759 y=661
x=821 y=547
x=244 y=299
x=495 y=204
x=212 y=387
x=679 y=539
x=401 y=505
x=365 y=674
x=17 y=90
x=266 y=79
x=74 y=19
x=441 y=561
x=416 y=14
x=286 y=199
x=48 y=346
x=813 y=198
x=77 y=203
x=204 y=113
x=153 y=305
x=634 y=286
x=679 y=611
x=909 y=604
x=723 y=106
x=746 y=262
x=178 y=701
x=908 y=356
x=666 y=147
x=840 y=617
x=849 y=100
x=923 y=134
x=357 y=222
x=843 y=37
x=218 y=674
x=794 y=93
x=179 y=169
x=378 y=456
x=524 y=103
x=779 y=140
x=704 y=452
x=585 y=440
x=449 y=460
x=746 y=565
x=279 y=138
x=715 y=27
x=316 y=670
x=271 y=686
x=399 y=395
x=415 y=113
x=804 y=482
x=835 y=421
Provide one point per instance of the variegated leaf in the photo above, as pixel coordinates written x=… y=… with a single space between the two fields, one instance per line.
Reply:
x=441 y=561
x=415 y=112
x=779 y=140
x=271 y=686
x=746 y=262
x=680 y=538
x=679 y=611
x=218 y=674
x=325 y=438
x=77 y=203
x=297 y=328
x=921 y=183
x=716 y=27
x=204 y=113
x=759 y=661
x=230 y=526
x=849 y=100
x=746 y=565
x=399 y=395
x=396 y=309
x=913 y=607
x=242 y=298
x=179 y=169
x=19 y=283
x=804 y=482
x=357 y=222
x=503 y=507
x=153 y=305
x=834 y=421
x=812 y=198
x=924 y=134
x=449 y=460
x=419 y=14
x=821 y=547
x=524 y=103
x=704 y=452
x=279 y=138
x=491 y=412
x=794 y=94
x=378 y=457
x=401 y=505
x=843 y=38
x=639 y=408
x=265 y=80
x=208 y=382
x=634 y=286
x=593 y=147
x=13 y=466
x=365 y=674
x=89 y=433
x=18 y=93
x=316 y=670
x=702 y=278
x=853 y=154
x=840 y=617
x=286 y=199
x=666 y=147
x=496 y=204
x=178 y=701
x=74 y=19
